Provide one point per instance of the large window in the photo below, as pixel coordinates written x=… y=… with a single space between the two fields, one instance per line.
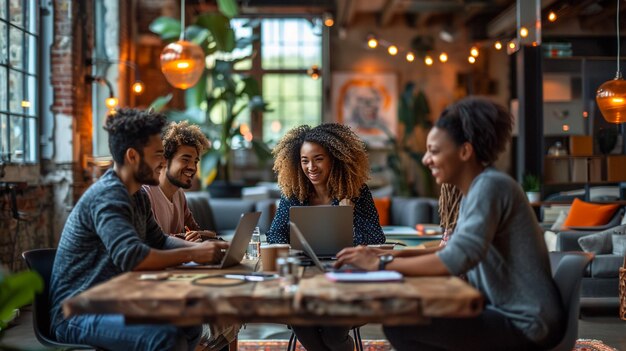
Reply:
x=288 y=48
x=19 y=80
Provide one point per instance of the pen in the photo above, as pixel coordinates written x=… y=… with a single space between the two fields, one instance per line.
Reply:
x=244 y=277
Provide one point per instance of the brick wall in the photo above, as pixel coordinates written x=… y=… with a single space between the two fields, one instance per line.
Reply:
x=44 y=208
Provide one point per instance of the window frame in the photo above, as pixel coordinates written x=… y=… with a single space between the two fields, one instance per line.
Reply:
x=257 y=71
x=31 y=154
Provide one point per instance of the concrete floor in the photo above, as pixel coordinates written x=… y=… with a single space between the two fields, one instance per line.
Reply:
x=595 y=324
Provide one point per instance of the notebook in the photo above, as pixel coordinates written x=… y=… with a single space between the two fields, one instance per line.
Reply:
x=327 y=229
x=238 y=246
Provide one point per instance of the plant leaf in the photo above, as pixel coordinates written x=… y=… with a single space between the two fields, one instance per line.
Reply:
x=228 y=7
x=221 y=31
x=159 y=103
x=196 y=95
x=197 y=34
x=208 y=166
x=262 y=151
x=18 y=290
x=167 y=28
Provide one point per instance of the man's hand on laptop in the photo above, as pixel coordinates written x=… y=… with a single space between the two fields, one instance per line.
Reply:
x=209 y=251
x=361 y=257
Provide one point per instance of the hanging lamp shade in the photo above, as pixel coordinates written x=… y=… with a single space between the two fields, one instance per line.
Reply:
x=611 y=99
x=182 y=63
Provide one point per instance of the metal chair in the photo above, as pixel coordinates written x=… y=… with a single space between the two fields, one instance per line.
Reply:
x=41 y=260
x=356 y=332
x=567 y=276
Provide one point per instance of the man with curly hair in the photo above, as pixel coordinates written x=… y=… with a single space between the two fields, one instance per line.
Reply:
x=324 y=165
x=183 y=143
x=111 y=230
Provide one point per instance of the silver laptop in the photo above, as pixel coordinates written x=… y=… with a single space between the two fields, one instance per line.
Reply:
x=328 y=229
x=327 y=266
x=238 y=246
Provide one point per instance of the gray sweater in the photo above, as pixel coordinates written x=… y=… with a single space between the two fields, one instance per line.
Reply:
x=107 y=233
x=499 y=244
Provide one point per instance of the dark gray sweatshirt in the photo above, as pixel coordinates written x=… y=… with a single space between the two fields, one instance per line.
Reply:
x=108 y=232
x=500 y=246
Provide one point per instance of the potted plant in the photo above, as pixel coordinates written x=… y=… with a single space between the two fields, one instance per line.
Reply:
x=221 y=95
x=532 y=185
x=16 y=290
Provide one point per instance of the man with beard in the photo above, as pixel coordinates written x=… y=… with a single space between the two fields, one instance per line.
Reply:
x=111 y=230
x=183 y=143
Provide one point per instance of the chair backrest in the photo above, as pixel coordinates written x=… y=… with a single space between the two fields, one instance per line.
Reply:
x=198 y=202
x=41 y=261
x=567 y=276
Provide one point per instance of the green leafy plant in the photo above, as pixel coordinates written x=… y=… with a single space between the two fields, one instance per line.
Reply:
x=219 y=92
x=531 y=183
x=16 y=290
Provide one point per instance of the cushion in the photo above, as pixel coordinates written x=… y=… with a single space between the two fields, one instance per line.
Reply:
x=558 y=224
x=599 y=243
x=602 y=242
x=586 y=214
x=619 y=244
x=382 y=207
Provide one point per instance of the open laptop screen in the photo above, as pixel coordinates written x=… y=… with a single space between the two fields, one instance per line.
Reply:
x=328 y=229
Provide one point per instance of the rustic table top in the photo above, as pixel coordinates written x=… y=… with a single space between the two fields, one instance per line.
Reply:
x=181 y=300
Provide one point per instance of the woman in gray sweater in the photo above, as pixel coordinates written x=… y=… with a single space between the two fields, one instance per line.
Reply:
x=497 y=244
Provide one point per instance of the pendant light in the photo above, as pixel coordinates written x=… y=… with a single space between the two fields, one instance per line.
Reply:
x=182 y=62
x=611 y=95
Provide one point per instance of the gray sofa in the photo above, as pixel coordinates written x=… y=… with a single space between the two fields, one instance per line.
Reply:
x=222 y=214
x=600 y=282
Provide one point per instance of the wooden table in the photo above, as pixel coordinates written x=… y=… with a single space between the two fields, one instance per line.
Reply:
x=317 y=301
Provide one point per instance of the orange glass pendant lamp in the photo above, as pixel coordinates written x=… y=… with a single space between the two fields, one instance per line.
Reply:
x=611 y=95
x=611 y=99
x=182 y=62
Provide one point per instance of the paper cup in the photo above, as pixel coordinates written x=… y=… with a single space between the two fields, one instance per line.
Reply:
x=269 y=254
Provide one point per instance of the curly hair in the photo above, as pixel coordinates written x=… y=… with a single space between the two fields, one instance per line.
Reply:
x=131 y=128
x=176 y=135
x=482 y=123
x=349 y=163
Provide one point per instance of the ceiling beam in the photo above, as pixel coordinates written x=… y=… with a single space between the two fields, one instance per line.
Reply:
x=506 y=21
x=388 y=12
x=345 y=12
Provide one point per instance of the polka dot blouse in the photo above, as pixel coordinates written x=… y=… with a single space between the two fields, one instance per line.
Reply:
x=367 y=230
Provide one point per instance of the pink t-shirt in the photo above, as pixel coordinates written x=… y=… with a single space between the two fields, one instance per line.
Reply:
x=172 y=216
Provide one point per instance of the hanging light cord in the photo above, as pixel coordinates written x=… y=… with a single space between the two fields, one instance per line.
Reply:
x=618 y=75
x=182 y=21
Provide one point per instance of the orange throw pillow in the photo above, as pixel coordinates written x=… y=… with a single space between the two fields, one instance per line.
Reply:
x=382 y=207
x=584 y=214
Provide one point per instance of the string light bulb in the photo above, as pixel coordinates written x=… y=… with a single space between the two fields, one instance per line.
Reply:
x=428 y=60
x=523 y=32
x=372 y=42
x=443 y=57
x=611 y=95
x=498 y=45
x=552 y=16
x=329 y=21
x=474 y=51
x=471 y=59
x=410 y=56
x=392 y=50
x=138 y=87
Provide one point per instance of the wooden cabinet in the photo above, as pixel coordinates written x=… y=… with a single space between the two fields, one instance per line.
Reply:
x=584 y=169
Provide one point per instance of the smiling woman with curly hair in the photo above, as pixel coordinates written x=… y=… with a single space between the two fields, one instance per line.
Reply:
x=324 y=165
